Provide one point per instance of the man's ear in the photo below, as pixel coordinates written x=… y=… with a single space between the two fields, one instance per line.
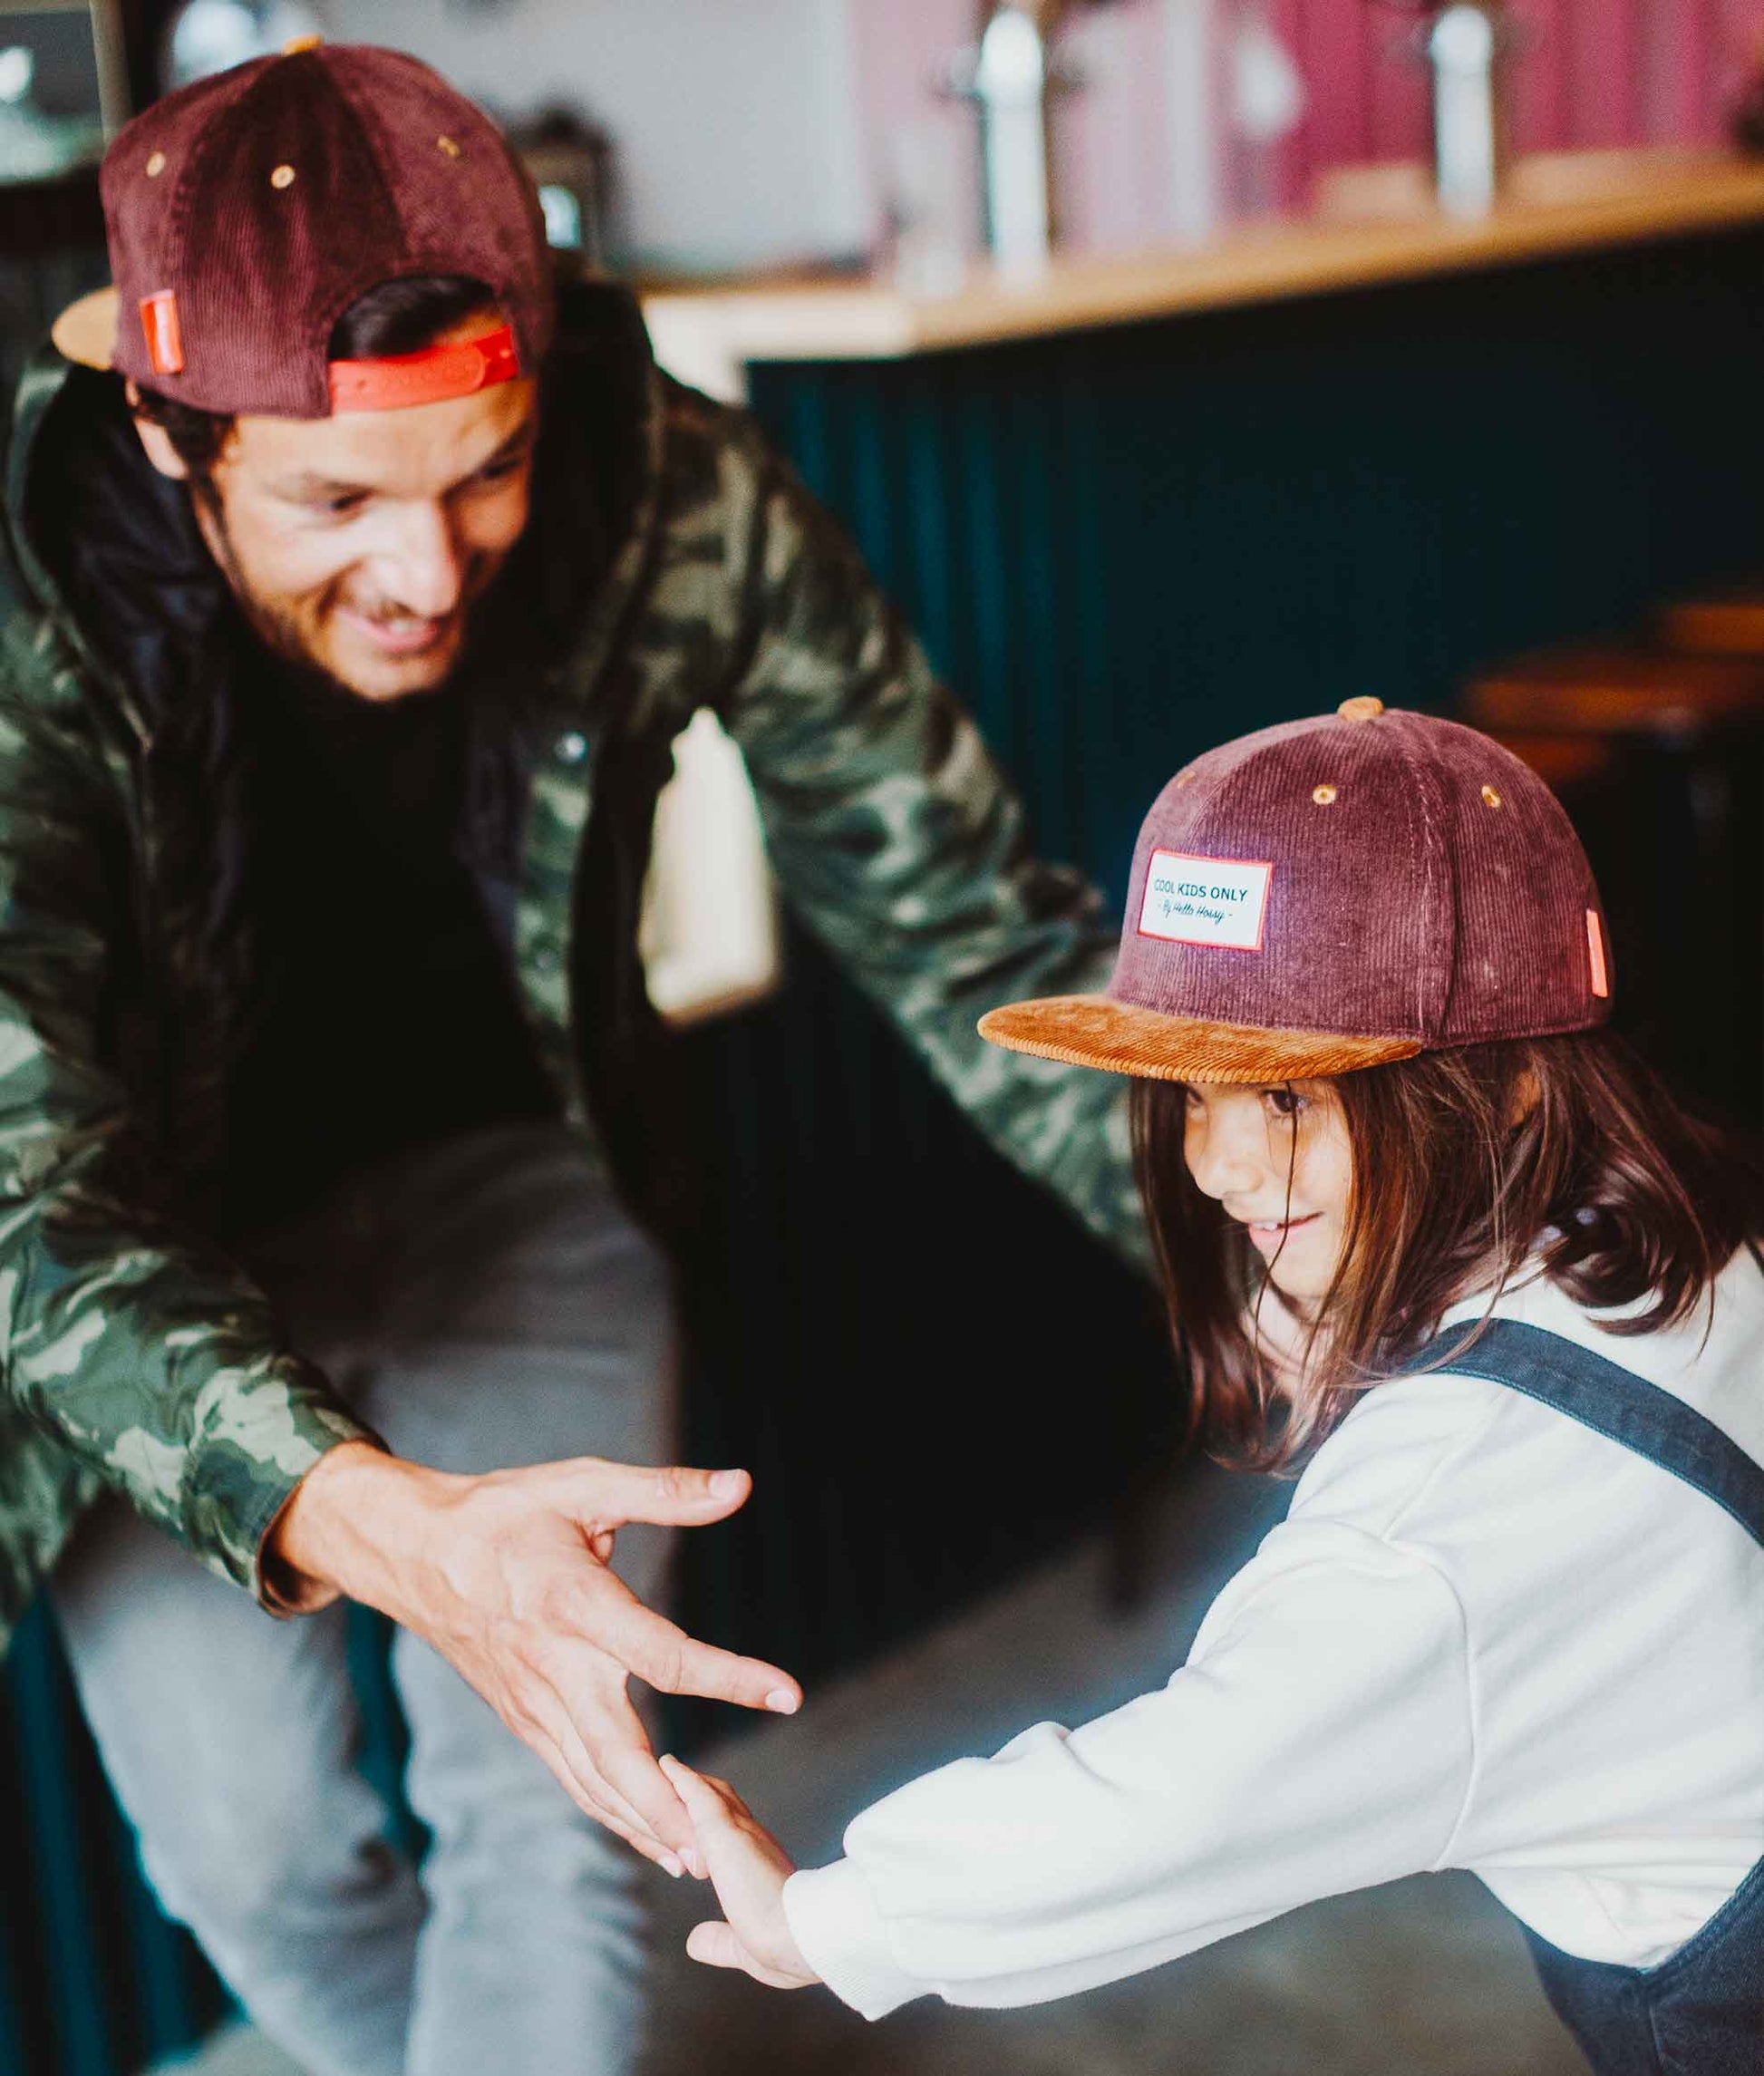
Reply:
x=156 y=440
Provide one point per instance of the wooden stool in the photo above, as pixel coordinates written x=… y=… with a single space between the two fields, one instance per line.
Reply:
x=1725 y=624
x=1658 y=755
x=1592 y=692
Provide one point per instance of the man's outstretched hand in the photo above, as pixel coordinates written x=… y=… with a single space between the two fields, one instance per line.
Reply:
x=747 y=1868
x=508 y=1575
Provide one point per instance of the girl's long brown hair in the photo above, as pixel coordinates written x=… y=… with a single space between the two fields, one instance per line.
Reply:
x=1466 y=1164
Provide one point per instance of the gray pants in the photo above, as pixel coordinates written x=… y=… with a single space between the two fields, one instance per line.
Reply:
x=483 y=1304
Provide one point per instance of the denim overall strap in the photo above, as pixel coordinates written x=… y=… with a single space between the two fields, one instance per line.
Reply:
x=1700 y=2013
x=1603 y=1395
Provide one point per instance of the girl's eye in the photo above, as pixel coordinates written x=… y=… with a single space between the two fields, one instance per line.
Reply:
x=1283 y=1102
x=343 y=506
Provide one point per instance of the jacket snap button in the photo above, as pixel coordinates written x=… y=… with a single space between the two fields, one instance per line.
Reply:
x=572 y=747
x=546 y=958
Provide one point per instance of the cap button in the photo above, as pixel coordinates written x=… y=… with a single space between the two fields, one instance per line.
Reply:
x=1364 y=708
x=296 y=45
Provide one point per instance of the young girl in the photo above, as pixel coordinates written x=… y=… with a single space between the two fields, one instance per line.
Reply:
x=1423 y=1224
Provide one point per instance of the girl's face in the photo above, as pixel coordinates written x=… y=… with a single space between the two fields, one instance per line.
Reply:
x=1277 y=1159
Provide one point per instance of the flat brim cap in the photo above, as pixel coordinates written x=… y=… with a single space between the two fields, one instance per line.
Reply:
x=1121 y=1038
x=1334 y=894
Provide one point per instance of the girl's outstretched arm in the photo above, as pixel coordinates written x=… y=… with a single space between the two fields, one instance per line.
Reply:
x=748 y=1868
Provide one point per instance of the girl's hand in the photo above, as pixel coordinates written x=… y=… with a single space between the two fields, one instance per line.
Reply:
x=748 y=1868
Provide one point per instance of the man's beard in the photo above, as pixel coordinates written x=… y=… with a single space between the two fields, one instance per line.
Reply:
x=281 y=632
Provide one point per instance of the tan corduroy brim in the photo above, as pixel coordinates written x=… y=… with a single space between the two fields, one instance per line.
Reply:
x=86 y=330
x=1095 y=1031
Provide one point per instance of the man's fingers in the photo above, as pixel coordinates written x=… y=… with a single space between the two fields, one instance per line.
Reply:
x=556 y=1740
x=595 y=1801
x=669 y=1861
x=607 y=1803
x=674 y=1495
x=630 y=1772
x=604 y=1738
x=665 y=1657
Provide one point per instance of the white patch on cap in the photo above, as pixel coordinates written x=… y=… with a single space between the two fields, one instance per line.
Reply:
x=1206 y=901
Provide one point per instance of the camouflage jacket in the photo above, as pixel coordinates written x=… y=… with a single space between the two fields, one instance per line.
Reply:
x=136 y=1355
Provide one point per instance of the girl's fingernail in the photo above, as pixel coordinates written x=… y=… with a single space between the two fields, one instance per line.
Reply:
x=695 y=1866
x=782 y=1701
x=725 y=1483
x=672 y=1863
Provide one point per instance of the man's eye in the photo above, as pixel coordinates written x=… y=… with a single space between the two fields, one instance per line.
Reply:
x=499 y=471
x=342 y=505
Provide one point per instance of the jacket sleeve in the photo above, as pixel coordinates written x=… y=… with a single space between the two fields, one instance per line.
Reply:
x=1319 y=1740
x=144 y=1356
x=903 y=845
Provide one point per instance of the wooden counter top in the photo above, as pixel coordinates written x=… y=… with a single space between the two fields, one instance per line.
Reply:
x=1373 y=226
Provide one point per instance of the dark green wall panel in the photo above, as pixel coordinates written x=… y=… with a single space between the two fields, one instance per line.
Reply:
x=1125 y=545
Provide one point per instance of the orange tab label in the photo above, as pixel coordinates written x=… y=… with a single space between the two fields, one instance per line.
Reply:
x=165 y=338
x=1595 y=951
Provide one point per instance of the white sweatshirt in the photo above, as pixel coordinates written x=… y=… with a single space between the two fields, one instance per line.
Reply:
x=1484 y=1637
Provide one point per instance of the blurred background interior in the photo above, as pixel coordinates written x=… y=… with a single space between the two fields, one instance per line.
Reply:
x=1181 y=366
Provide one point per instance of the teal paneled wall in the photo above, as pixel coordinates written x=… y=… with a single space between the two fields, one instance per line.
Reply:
x=94 y=1981
x=1125 y=545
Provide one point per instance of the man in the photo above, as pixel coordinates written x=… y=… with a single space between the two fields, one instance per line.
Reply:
x=361 y=580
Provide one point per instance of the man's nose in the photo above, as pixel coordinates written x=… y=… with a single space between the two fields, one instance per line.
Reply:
x=421 y=566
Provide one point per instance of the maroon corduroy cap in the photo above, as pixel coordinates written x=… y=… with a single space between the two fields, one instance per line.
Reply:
x=1331 y=894
x=247 y=212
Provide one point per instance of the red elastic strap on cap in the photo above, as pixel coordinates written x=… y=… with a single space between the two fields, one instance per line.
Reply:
x=457 y=368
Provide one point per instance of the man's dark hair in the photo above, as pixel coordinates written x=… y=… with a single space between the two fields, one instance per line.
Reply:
x=397 y=317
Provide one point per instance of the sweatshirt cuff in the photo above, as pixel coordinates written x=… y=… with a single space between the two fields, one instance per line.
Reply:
x=842 y=1937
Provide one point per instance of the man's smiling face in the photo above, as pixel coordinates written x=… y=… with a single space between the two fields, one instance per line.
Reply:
x=357 y=545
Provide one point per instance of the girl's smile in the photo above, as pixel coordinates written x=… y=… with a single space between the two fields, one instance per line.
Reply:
x=1268 y=1236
